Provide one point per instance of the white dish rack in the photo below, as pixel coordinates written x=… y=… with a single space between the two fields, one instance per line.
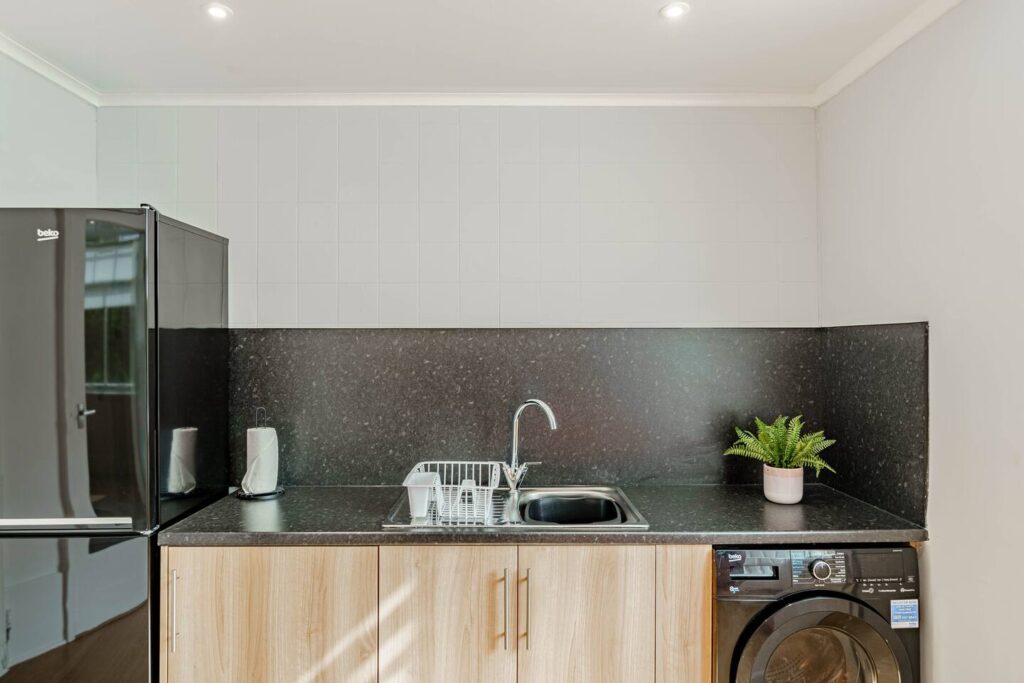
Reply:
x=462 y=493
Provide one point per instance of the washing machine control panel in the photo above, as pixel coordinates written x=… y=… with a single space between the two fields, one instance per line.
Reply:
x=819 y=567
x=870 y=573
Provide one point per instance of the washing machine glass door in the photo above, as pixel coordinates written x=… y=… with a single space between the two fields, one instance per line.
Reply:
x=823 y=655
x=823 y=640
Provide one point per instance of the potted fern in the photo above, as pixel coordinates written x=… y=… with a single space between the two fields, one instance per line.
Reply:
x=785 y=453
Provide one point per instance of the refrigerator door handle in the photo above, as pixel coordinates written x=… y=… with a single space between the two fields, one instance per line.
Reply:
x=58 y=523
x=83 y=413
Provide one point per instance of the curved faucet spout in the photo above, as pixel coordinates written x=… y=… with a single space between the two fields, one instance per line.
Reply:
x=515 y=472
x=552 y=422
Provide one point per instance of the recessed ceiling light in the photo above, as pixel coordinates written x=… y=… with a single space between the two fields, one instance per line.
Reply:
x=675 y=10
x=218 y=11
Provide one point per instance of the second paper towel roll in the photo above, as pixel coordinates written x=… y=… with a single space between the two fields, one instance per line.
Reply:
x=181 y=475
x=261 y=460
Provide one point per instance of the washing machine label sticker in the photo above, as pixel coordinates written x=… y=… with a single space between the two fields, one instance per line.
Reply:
x=904 y=614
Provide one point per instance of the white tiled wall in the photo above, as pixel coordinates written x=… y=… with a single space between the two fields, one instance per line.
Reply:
x=520 y=216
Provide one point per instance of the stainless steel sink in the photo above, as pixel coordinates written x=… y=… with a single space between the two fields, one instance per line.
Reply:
x=546 y=509
x=578 y=507
x=571 y=509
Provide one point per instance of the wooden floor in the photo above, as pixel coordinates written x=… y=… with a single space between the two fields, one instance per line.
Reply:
x=116 y=652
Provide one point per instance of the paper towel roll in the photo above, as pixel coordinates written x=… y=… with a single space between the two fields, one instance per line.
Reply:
x=261 y=460
x=181 y=477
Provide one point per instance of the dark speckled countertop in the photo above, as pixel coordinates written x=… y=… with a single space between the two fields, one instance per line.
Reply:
x=704 y=514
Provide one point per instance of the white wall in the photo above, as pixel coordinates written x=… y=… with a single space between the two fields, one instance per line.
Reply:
x=922 y=217
x=486 y=216
x=47 y=142
x=47 y=158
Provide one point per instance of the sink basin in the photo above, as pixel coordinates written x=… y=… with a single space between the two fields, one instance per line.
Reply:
x=573 y=506
x=544 y=509
x=579 y=507
x=571 y=510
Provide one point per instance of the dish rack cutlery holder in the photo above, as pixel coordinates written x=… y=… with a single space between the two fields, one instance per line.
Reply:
x=463 y=493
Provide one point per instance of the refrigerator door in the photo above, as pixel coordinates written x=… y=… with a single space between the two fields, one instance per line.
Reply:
x=77 y=609
x=192 y=371
x=74 y=371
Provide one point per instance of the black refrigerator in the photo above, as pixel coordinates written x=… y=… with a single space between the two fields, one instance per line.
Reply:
x=113 y=424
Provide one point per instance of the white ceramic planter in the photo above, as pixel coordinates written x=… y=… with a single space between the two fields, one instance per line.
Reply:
x=783 y=485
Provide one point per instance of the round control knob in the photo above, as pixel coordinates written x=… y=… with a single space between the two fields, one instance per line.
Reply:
x=821 y=570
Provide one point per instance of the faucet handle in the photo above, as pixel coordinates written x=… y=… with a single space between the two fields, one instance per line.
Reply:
x=514 y=476
x=523 y=468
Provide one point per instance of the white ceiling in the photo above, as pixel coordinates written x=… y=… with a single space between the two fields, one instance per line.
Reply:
x=143 y=47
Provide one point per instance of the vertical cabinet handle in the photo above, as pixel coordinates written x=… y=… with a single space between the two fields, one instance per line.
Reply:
x=174 y=610
x=504 y=606
x=527 y=633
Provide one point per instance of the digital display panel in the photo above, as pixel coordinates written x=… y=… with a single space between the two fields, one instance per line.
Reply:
x=884 y=565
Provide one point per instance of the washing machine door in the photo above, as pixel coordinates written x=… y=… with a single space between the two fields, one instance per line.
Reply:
x=823 y=640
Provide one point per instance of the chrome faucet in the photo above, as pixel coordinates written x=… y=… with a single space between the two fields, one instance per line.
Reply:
x=514 y=472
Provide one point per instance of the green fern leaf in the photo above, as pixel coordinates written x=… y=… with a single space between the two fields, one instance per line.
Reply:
x=796 y=425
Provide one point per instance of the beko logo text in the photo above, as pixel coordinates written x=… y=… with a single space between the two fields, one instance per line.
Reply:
x=48 y=234
x=735 y=557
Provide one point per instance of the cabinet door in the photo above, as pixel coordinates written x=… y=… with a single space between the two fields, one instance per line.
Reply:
x=447 y=614
x=685 y=591
x=269 y=614
x=586 y=613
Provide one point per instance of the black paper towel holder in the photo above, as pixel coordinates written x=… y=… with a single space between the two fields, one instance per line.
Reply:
x=269 y=495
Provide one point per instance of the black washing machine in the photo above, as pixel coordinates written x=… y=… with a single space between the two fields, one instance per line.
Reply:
x=817 y=616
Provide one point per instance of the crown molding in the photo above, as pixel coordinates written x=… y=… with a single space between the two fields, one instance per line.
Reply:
x=460 y=99
x=48 y=70
x=910 y=26
x=915 y=22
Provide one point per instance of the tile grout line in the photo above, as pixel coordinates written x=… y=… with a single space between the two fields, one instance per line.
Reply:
x=497 y=180
x=458 y=218
x=540 y=251
x=380 y=261
x=579 y=216
x=256 y=113
x=297 y=214
x=419 y=224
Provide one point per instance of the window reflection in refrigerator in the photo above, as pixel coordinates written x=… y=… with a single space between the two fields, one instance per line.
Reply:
x=115 y=359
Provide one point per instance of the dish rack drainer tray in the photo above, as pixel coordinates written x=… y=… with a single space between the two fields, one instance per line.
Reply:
x=465 y=495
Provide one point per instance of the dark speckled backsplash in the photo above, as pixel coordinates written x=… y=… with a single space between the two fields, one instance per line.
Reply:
x=633 y=405
x=877 y=409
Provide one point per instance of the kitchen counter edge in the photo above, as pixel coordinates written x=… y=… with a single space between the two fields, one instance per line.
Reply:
x=679 y=515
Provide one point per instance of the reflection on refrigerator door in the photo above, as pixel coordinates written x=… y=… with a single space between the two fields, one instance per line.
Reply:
x=76 y=609
x=74 y=367
x=115 y=367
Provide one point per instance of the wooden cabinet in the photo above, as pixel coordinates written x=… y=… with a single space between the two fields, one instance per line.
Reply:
x=447 y=614
x=442 y=614
x=685 y=592
x=586 y=613
x=269 y=614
